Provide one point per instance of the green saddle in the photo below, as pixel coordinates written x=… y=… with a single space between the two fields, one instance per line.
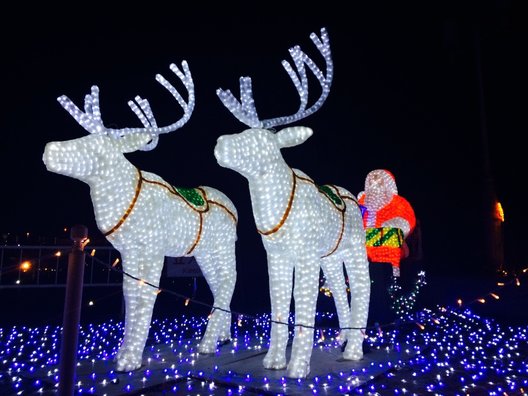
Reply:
x=194 y=197
x=331 y=193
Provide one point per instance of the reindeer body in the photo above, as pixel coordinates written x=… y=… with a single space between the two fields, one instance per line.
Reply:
x=146 y=219
x=302 y=231
x=304 y=227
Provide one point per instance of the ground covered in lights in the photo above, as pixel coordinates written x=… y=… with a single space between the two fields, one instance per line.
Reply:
x=440 y=351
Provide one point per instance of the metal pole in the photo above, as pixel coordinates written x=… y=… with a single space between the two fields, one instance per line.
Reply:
x=493 y=242
x=38 y=266
x=72 y=311
x=1 y=265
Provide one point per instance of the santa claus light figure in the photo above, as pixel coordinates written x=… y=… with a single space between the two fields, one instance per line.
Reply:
x=388 y=219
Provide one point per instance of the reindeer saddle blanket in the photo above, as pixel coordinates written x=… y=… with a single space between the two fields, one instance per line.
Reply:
x=333 y=195
x=194 y=197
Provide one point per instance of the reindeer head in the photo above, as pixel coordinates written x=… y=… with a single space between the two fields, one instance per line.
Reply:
x=90 y=155
x=256 y=150
x=104 y=147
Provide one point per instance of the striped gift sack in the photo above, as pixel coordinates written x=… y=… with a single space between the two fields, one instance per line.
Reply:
x=384 y=236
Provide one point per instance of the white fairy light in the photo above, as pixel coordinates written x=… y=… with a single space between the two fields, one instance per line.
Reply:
x=386 y=212
x=245 y=111
x=92 y=122
x=304 y=227
x=146 y=219
x=302 y=231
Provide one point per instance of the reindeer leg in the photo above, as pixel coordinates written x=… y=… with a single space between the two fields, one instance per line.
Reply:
x=335 y=277
x=130 y=295
x=219 y=271
x=131 y=301
x=305 y=295
x=358 y=271
x=207 y=266
x=280 y=271
x=149 y=266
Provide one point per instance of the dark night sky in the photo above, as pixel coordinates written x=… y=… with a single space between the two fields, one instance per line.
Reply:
x=405 y=97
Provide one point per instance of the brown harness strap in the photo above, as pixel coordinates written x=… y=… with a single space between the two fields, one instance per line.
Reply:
x=173 y=191
x=289 y=206
x=130 y=207
x=286 y=212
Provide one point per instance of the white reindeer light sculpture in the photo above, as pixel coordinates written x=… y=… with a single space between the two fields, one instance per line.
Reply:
x=145 y=218
x=303 y=226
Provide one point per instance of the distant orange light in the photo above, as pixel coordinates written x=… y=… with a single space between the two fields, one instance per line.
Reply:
x=25 y=266
x=85 y=242
x=58 y=254
x=499 y=213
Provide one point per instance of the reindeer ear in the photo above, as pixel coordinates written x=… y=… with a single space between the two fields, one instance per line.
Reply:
x=133 y=142
x=293 y=136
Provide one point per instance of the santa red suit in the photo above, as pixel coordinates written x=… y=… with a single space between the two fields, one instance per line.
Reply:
x=388 y=219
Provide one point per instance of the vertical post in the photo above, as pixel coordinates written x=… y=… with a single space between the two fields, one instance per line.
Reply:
x=19 y=261
x=72 y=311
x=1 y=265
x=38 y=266
x=493 y=235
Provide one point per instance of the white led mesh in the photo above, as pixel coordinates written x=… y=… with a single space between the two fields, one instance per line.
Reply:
x=145 y=219
x=91 y=120
x=382 y=211
x=299 y=225
x=245 y=111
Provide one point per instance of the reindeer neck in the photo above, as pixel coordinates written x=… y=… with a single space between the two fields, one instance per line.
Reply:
x=271 y=197
x=113 y=194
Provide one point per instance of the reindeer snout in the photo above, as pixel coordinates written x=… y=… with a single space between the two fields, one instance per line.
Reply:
x=50 y=154
x=220 y=150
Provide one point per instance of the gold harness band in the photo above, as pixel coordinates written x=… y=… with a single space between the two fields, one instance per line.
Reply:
x=173 y=191
x=290 y=203
x=286 y=212
x=130 y=207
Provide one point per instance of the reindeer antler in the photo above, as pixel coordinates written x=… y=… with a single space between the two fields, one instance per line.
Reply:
x=245 y=109
x=91 y=120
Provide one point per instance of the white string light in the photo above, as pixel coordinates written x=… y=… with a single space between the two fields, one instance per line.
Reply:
x=386 y=213
x=299 y=225
x=146 y=219
x=245 y=111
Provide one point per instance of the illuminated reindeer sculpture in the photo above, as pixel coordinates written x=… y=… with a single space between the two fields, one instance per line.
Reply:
x=304 y=227
x=145 y=218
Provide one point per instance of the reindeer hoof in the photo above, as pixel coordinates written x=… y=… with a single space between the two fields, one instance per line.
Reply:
x=207 y=348
x=354 y=348
x=298 y=369
x=126 y=364
x=353 y=351
x=343 y=337
x=274 y=361
x=224 y=336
